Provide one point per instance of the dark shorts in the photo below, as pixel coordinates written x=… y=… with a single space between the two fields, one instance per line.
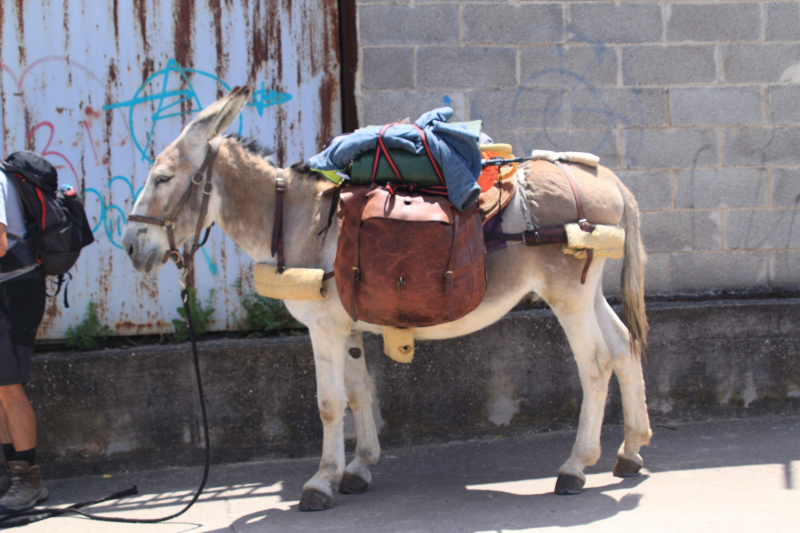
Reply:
x=22 y=302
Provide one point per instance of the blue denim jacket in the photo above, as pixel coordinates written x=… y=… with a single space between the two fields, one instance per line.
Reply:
x=454 y=148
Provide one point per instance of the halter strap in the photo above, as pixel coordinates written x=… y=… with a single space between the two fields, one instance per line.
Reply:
x=168 y=222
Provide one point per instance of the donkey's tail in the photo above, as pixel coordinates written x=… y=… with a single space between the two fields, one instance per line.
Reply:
x=633 y=275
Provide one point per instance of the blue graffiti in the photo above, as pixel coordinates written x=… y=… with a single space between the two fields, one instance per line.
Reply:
x=112 y=218
x=170 y=100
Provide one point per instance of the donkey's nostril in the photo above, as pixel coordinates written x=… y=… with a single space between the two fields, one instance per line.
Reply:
x=129 y=248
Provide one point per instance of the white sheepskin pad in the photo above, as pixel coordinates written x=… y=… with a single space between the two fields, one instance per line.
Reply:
x=604 y=241
x=583 y=158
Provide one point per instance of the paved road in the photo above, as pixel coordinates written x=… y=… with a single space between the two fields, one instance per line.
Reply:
x=724 y=476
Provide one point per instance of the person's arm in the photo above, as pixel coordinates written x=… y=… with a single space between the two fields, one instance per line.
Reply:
x=3 y=240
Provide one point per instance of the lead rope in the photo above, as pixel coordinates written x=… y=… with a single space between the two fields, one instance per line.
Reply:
x=24 y=518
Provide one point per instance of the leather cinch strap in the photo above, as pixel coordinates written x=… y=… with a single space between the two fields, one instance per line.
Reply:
x=582 y=222
x=277 y=224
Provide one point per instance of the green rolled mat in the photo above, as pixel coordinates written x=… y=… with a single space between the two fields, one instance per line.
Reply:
x=415 y=168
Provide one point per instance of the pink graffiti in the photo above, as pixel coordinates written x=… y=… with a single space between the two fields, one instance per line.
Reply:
x=19 y=81
x=47 y=152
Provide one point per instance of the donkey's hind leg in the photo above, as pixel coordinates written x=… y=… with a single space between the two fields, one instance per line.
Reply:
x=359 y=394
x=576 y=313
x=628 y=368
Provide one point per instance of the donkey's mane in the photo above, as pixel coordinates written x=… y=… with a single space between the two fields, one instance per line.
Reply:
x=254 y=147
x=258 y=150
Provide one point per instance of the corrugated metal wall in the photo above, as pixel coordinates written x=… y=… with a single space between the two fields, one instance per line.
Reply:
x=101 y=89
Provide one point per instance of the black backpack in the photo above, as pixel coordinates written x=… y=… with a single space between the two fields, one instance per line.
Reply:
x=56 y=224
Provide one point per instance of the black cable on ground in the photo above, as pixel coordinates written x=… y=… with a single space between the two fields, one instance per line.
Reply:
x=23 y=518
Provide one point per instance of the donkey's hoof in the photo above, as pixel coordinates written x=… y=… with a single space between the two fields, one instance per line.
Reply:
x=314 y=500
x=567 y=484
x=626 y=468
x=352 y=484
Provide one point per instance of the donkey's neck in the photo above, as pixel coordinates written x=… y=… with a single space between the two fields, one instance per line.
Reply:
x=247 y=209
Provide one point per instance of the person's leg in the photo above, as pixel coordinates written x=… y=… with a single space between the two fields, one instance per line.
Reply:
x=20 y=418
x=26 y=302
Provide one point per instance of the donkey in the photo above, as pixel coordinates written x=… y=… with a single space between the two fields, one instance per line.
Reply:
x=242 y=201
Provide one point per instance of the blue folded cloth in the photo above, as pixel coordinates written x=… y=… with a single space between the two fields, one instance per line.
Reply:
x=453 y=147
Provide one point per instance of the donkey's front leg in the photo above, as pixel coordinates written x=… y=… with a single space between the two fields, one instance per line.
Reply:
x=359 y=394
x=329 y=345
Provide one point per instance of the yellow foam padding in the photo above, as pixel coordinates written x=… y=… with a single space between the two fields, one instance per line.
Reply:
x=293 y=284
x=604 y=241
x=398 y=343
x=504 y=150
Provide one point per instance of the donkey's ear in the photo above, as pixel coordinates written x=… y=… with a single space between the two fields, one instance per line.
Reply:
x=216 y=118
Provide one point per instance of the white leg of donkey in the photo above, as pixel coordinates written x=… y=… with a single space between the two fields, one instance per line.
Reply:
x=342 y=378
x=329 y=341
x=575 y=311
x=628 y=368
x=359 y=397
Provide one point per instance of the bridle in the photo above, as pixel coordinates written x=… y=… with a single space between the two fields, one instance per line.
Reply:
x=168 y=222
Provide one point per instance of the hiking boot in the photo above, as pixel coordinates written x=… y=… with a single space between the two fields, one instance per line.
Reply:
x=26 y=488
x=5 y=475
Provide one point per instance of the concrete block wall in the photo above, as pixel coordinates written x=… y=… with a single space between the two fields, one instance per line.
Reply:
x=696 y=105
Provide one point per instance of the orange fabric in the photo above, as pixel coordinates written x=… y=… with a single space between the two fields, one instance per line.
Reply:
x=491 y=174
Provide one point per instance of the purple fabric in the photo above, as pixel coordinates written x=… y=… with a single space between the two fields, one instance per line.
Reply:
x=494 y=225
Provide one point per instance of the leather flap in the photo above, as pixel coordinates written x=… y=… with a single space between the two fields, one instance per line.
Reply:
x=408 y=207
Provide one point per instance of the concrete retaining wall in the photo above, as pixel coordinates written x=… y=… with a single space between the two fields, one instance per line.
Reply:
x=132 y=409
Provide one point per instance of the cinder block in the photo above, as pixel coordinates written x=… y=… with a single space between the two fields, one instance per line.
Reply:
x=783 y=21
x=726 y=187
x=598 y=142
x=533 y=109
x=657 y=276
x=714 y=22
x=783 y=271
x=757 y=63
x=513 y=24
x=681 y=231
x=401 y=24
x=466 y=67
x=506 y=137
x=382 y=107
x=387 y=68
x=702 y=106
x=784 y=104
x=609 y=23
x=762 y=229
x=674 y=148
x=618 y=108
x=668 y=65
x=568 y=66
x=786 y=187
x=724 y=270
x=652 y=189
x=761 y=146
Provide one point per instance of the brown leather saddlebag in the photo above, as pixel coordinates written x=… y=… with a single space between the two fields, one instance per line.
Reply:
x=407 y=260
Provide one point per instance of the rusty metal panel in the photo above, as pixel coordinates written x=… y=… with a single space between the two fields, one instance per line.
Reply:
x=100 y=89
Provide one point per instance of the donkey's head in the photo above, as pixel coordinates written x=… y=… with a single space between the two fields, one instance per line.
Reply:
x=170 y=178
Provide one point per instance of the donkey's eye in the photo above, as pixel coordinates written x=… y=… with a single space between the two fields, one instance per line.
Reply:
x=163 y=179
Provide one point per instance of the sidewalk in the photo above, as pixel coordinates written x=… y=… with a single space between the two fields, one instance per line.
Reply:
x=729 y=476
